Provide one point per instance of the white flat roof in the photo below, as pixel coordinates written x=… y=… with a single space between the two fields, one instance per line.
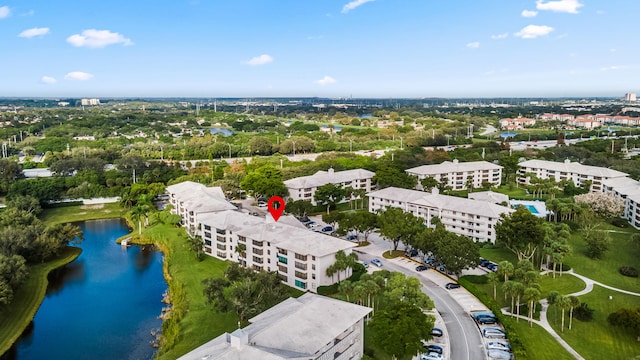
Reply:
x=328 y=177
x=572 y=167
x=453 y=166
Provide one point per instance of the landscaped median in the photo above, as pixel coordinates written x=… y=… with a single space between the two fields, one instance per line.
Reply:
x=526 y=342
x=15 y=317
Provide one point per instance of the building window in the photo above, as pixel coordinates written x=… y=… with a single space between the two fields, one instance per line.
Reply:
x=207 y=242
x=242 y=238
x=257 y=260
x=207 y=235
x=282 y=259
x=301 y=285
x=301 y=257
x=221 y=231
x=207 y=227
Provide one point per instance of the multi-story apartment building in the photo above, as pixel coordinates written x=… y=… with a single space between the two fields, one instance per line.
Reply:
x=304 y=188
x=567 y=170
x=458 y=174
x=628 y=190
x=191 y=199
x=300 y=256
x=468 y=217
x=311 y=327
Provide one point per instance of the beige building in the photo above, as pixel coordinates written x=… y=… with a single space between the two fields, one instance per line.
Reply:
x=567 y=170
x=304 y=188
x=300 y=256
x=473 y=218
x=457 y=174
x=311 y=327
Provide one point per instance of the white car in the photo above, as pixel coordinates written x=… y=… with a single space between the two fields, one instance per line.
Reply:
x=496 y=345
x=431 y=356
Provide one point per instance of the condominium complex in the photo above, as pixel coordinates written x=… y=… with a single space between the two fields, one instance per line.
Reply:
x=309 y=327
x=468 y=217
x=191 y=199
x=304 y=188
x=567 y=170
x=458 y=175
x=300 y=256
x=627 y=190
x=89 y=102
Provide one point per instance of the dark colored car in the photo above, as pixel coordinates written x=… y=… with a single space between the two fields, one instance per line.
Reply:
x=486 y=320
x=304 y=220
x=422 y=267
x=437 y=332
x=327 y=229
x=452 y=286
x=411 y=253
x=352 y=237
x=484 y=262
x=434 y=348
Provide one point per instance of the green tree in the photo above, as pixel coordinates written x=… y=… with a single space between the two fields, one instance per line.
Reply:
x=456 y=252
x=195 y=244
x=299 y=208
x=429 y=183
x=10 y=172
x=342 y=263
x=138 y=213
x=597 y=243
x=260 y=145
x=521 y=232
x=396 y=226
x=28 y=204
x=532 y=295
x=493 y=279
x=364 y=223
x=401 y=329
x=387 y=175
x=333 y=218
x=402 y=288
x=574 y=302
x=564 y=303
x=329 y=195
x=265 y=181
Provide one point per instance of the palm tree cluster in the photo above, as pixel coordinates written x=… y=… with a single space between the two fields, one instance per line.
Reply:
x=520 y=282
x=342 y=264
x=564 y=302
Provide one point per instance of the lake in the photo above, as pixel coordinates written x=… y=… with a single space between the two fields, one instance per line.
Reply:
x=104 y=305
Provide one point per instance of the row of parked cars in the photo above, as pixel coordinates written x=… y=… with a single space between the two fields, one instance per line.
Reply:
x=488 y=264
x=495 y=338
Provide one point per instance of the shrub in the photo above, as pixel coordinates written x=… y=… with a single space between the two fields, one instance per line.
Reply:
x=477 y=279
x=566 y=267
x=626 y=318
x=619 y=222
x=629 y=271
x=583 y=312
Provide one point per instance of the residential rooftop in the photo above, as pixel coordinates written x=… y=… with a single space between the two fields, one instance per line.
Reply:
x=572 y=167
x=453 y=166
x=200 y=198
x=328 y=177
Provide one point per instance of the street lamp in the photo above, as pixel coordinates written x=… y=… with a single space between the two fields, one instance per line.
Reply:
x=294 y=147
x=229 y=151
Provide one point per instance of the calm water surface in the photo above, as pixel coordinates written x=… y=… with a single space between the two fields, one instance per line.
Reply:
x=104 y=305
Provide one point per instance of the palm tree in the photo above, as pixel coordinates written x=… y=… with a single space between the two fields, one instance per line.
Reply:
x=137 y=213
x=493 y=279
x=509 y=289
x=346 y=288
x=552 y=299
x=241 y=249
x=360 y=194
x=506 y=269
x=342 y=263
x=518 y=289
x=532 y=295
x=564 y=304
x=574 y=302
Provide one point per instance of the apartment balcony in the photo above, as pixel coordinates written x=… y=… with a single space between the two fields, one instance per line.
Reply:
x=301 y=266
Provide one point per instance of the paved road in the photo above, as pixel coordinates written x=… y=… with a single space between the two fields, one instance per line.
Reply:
x=464 y=336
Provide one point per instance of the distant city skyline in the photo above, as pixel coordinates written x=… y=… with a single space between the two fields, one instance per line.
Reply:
x=329 y=48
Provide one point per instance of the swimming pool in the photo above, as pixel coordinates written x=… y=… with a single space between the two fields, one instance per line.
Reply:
x=532 y=209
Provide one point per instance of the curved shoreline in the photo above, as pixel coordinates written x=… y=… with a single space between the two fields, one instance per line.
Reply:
x=15 y=318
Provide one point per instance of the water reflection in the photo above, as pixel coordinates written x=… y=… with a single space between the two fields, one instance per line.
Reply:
x=144 y=257
x=68 y=274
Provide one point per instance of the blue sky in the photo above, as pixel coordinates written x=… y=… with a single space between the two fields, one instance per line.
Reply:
x=327 y=48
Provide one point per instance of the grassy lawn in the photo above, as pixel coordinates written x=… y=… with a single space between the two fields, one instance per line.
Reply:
x=565 y=284
x=621 y=252
x=81 y=213
x=539 y=343
x=17 y=316
x=200 y=322
x=513 y=192
x=597 y=339
x=498 y=254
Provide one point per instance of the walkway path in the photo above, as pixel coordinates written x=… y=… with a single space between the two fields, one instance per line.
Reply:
x=544 y=321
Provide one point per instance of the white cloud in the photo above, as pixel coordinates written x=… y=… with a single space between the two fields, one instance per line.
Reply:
x=473 y=45
x=354 y=4
x=612 y=68
x=529 y=13
x=29 y=33
x=260 y=60
x=78 y=75
x=500 y=36
x=48 y=80
x=533 y=31
x=326 y=81
x=4 y=12
x=566 y=6
x=93 y=38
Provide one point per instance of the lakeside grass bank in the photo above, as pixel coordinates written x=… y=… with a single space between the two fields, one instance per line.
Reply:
x=15 y=317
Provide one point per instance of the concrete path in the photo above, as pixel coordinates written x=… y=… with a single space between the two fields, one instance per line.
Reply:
x=589 y=282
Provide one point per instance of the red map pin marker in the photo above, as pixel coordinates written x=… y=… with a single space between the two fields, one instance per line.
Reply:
x=276 y=207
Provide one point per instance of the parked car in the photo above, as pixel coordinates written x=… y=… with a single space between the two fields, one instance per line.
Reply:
x=262 y=204
x=436 y=332
x=411 y=253
x=499 y=354
x=327 y=229
x=494 y=333
x=484 y=262
x=496 y=345
x=364 y=263
x=312 y=224
x=305 y=220
x=452 y=286
x=422 y=267
x=434 y=348
x=352 y=237
x=486 y=319
x=431 y=356
x=376 y=262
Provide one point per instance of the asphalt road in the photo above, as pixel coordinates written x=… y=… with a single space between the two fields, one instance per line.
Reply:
x=464 y=337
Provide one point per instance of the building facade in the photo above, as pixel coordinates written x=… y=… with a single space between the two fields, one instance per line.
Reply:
x=567 y=170
x=627 y=190
x=311 y=327
x=304 y=188
x=300 y=256
x=458 y=175
x=191 y=199
x=468 y=217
